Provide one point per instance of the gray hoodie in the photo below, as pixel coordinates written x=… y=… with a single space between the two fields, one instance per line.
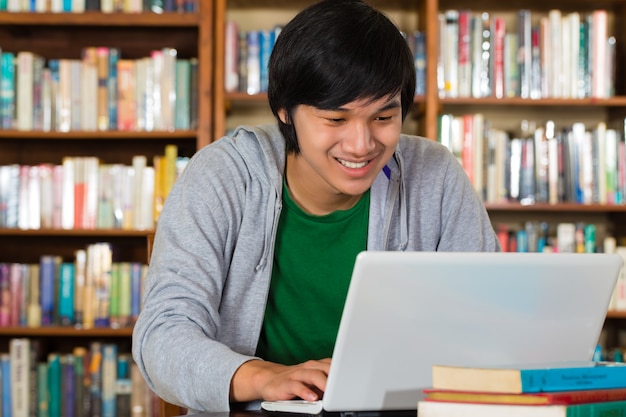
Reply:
x=209 y=275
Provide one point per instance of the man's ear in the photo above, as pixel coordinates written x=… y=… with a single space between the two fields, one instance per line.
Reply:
x=283 y=116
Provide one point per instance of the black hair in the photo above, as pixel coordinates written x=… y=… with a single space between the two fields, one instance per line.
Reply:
x=335 y=52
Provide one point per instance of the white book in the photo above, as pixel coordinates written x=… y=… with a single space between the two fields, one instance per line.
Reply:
x=67 y=209
x=598 y=42
x=64 y=99
x=168 y=89
x=19 y=351
x=565 y=236
x=566 y=69
x=231 y=62
x=620 y=286
x=139 y=163
x=599 y=174
x=573 y=65
x=23 y=219
x=556 y=37
x=46 y=194
x=34 y=198
x=157 y=65
x=24 y=90
x=78 y=6
x=451 y=54
x=146 y=214
x=553 y=170
x=515 y=162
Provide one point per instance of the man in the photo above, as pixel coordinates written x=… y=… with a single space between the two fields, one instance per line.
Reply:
x=256 y=243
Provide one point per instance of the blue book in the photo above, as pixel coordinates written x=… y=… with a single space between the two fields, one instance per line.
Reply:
x=253 y=62
x=114 y=56
x=267 y=39
x=46 y=290
x=561 y=376
x=5 y=368
x=136 y=275
x=55 y=380
x=66 y=294
x=68 y=405
x=7 y=90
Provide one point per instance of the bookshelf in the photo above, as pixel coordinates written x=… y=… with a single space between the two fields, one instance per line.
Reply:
x=233 y=108
x=65 y=36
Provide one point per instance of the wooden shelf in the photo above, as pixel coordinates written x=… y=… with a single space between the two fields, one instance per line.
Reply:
x=98 y=19
x=613 y=314
x=551 y=102
x=97 y=135
x=77 y=232
x=552 y=208
x=62 y=331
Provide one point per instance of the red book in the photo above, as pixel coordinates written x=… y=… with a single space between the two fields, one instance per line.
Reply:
x=499 y=31
x=541 y=398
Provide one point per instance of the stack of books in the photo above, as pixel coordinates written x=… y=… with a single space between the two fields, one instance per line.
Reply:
x=566 y=389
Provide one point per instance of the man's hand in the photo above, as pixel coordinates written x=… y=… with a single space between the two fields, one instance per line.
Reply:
x=260 y=380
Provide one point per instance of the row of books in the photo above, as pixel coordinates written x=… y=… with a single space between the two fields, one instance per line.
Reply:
x=565 y=389
x=247 y=55
x=563 y=237
x=562 y=55
x=90 y=381
x=544 y=164
x=87 y=292
x=98 y=91
x=83 y=193
x=105 y=6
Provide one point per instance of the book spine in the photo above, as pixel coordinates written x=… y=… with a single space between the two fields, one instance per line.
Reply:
x=253 y=67
x=43 y=396
x=19 y=351
x=564 y=379
x=66 y=294
x=5 y=367
x=109 y=377
x=231 y=57
x=54 y=385
x=7 y=90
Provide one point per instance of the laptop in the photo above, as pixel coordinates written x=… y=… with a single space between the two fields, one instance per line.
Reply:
x=406 y=311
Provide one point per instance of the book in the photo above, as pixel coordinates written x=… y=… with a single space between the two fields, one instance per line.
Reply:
x=54 y=385
x=5 y=369
x=450 y=409
x=19 y=351
x=535 y=398
x=550 y=377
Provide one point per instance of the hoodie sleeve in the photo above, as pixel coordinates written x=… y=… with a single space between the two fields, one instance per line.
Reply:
x=180 y=343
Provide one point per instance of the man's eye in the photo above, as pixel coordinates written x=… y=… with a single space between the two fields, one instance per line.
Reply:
x=384 y=118
x=336 y=120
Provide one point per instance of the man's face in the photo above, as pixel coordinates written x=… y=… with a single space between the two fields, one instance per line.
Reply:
x=342 y=150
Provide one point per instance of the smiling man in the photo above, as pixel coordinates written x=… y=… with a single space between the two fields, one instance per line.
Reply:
x=256 y=243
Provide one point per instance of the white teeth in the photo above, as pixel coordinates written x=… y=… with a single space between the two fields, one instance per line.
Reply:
x=352 y=164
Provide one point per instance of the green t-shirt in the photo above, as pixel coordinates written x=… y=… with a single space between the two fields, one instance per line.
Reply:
x=313 y=261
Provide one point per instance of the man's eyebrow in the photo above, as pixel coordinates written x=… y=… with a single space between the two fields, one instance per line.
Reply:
x=391 y=104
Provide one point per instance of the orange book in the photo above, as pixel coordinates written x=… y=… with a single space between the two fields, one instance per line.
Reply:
x=539 y=398
x=102 y=56
x=126 y=104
